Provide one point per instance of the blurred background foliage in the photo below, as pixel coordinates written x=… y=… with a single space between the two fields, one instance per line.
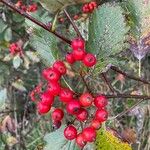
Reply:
x=118 y=32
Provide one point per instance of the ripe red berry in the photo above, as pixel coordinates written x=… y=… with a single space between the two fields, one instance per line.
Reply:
x=32 y=8
x=60 y=67
x=51 y=74
x=54 y=88
x=70 y=132
x=89 y=60
x=66 y=95
x=79 y=54
x=85 y=8
x=73 y=107
x=69 y=58
x=43 y=109
x=56 y=124
x=47 y=98
x=82 y=115
x=100 y=101
x=86 y=100
x=95 y=124
x=80 y=140
x=77 y=43
x=89 y=134
x=101 y=115
x=57 y=114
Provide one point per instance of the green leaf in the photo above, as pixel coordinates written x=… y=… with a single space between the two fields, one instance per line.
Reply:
x=8 y=34
x=107 y=34
x=57 y=141
x=17 y=61
x=3 y=26
x=3 y=97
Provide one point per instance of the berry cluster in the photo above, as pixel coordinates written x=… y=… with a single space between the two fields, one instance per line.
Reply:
x=30 y=8
x=89 y=7
x=79 y=54
x=75 y=105
x=14 y=49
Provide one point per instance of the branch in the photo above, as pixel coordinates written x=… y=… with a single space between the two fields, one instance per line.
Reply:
x=73 y=24
x=24 y=14
x=129 y=76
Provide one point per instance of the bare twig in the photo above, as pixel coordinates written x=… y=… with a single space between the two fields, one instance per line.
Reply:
x=73 y=24
x=129 y=76
x=12 y=6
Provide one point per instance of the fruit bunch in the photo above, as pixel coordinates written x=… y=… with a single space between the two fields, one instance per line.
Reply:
x=75 y=105
x=89 y=7
x=14 y=49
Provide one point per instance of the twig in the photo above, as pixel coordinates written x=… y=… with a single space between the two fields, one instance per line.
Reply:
x=126 y=111
x=12 y=6
x=129 y=76
x=73 y=24
x=104 y=77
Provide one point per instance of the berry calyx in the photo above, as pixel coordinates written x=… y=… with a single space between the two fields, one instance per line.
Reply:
x=51 y=74
x=89 y=134
x=66 y=95
x=82 y=115
x=73 y=107
x=89 y=60
x=100 y=101
x=77 y=43
x=101 y=115
x=96 y=124
x=54 y=88
x=43 y=109
x=86 y=100
x=80 y=140
x=57 y=114
x=60 y=67
x=47 y=98
x=70 y=132
x=79 y=54
x=56 y=124
x=69 y=58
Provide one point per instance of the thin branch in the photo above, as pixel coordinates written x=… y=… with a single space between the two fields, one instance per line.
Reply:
x=23 y=13
x=73 y=24
x=128 y=110
x=104 y=77
x=129 y=76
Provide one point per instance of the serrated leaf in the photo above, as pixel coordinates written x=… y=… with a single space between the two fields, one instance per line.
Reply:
x=107 y=33
x=3 y=97
x=57 y=141
x=17 y=61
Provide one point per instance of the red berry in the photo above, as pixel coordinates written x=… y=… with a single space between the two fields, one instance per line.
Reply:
x=91 y=7
x=89 y=134
x=23 y=8
x=57 y=114
x=73 y=107
x=82 y=115
x=89 y=60
x=43 y=109
x=86 y=100
x=70 y=132
x=95 y=124
x=80 y=140
x=77 y=43
x=79 y=54
x=56 y=124
x=60 y=67
x=94 y=4
x=47 y=98
x=69 y=58
x=76 y=17
x=51 y=74
x=100 y=101
x=85 y=8
x=66 y=95
x=101 y=115
x=54 y=88
x=32 y=8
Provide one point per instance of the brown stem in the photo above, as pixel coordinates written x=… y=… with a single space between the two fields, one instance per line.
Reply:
x=129 y=76
x=12 y=6
x=73 y=24
x=104 y=77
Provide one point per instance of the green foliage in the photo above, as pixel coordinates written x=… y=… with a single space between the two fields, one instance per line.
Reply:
x=57 y=141
x=107 y=141
x=107 y=34
x=3 y=97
